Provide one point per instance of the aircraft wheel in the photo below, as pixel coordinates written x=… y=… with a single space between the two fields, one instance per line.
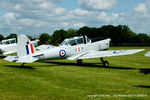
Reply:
x=106 y=64
x=79 y=61
x=22 y=65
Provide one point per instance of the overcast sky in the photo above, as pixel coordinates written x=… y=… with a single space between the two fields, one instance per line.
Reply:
x=38 y=16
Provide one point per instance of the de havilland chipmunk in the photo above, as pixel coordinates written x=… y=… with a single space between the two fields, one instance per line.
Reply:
x=9 y=46
x=75 y=48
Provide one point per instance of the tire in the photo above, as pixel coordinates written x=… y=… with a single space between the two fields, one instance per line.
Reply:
x=106 y=64
x=79 y=62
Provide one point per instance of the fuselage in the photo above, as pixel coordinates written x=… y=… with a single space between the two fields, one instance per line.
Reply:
x=65 y=51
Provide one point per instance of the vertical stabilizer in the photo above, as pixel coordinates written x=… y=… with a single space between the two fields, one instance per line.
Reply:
x=24 y=46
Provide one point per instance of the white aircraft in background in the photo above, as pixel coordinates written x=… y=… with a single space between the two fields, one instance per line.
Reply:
x=147 y=54
x=76 y=48
x=9 y=46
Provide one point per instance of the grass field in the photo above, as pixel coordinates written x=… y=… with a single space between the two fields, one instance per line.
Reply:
x=64 y=80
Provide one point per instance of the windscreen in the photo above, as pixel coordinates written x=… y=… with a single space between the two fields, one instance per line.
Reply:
x=72 y=42
x=79 y=40
x=64 y=43
x=6 y=42
x=12 y=41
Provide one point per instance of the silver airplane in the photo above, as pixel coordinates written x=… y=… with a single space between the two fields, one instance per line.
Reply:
x=75 y=48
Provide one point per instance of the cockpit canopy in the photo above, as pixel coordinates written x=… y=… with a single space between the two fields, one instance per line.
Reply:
x=9 y=41
x=75 y=41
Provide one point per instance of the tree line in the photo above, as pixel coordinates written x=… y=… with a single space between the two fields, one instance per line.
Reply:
x=120 y=35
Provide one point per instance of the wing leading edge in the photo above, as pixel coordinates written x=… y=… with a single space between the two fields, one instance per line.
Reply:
x=97 y=54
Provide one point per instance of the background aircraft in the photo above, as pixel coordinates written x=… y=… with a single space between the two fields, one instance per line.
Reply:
x=9 y=46
x=147 y=54
x=76 y=48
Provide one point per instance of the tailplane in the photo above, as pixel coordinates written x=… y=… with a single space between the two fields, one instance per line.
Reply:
x=25 y=50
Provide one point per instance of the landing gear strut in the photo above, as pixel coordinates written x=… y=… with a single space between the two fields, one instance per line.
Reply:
x=22 y=65
x=79 y=62
x=105 y=63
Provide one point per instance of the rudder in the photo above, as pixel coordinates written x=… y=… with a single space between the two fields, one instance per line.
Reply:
x=24 y=46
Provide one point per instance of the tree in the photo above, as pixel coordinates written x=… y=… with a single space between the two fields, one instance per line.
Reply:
x=142 y=38
x=59 y=36
x=106 y=31
x=12 y=35
x=1 y=37
x=45 y=38
x=118 y=34
x=121 y=34
x=84 y=31
x=71 y=33
x=30 y=37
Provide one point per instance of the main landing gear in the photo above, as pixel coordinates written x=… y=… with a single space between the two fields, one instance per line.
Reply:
x=22 y=65
x=105 y=63
x=79 y=62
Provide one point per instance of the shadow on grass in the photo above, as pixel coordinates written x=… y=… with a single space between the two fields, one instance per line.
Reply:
x=2 y=56
x=58 y=63
x=97 y=65
x=20 y=66
x=145 y=70
x=142 y=86
x=26 y=66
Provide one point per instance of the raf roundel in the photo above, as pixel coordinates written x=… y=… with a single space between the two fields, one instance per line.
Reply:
x=118 y=51
x=62 y=53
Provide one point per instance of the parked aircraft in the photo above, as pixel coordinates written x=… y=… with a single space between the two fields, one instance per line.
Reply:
x=147 y=54
x=75 y=48
x=9 y=46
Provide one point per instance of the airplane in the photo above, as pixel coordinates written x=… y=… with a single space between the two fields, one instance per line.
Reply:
x=9 y=46
x=147 y=54
x=75 y=48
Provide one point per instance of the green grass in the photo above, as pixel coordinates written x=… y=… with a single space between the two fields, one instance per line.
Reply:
x=64 y=80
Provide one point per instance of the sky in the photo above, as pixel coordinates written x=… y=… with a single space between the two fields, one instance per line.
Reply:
x=45 y=16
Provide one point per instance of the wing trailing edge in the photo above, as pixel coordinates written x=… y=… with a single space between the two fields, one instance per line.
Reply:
x=97 y=54
x=77 y=56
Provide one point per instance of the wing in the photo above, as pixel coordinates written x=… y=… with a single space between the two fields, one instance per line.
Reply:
x=147 y=54
x=97 y=54
x=77 y=56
